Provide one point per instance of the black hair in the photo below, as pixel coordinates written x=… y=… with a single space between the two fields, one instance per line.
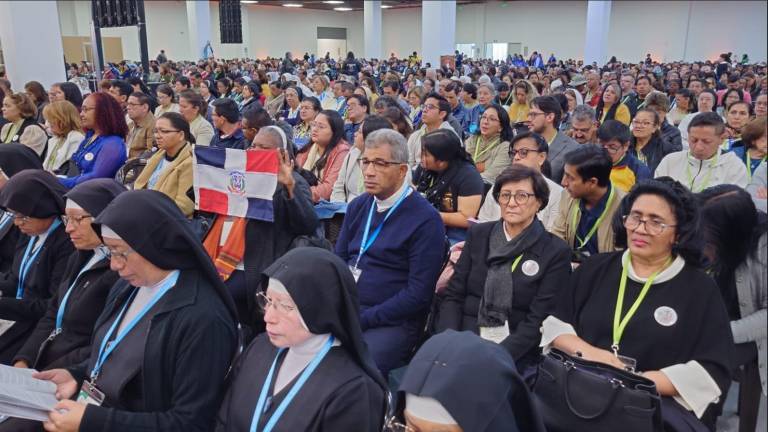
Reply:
x=732 y=227
x=257 y=117
x=226 y=108
x=123 y=87
x=362 y=100
x=254 y=88
x=394 y=85
x=541 y=145
x=518 y=172
x=71 y=93
x=143 y=98
x=137 y=81
x=444 y=145
x=688 y=243
x=442 y=103
x=315 y=102
x=227 y=86
x=549 y=105
x=506 y=129
x=195 y=100
x=399 y=120
x=727 y=92
x=471 y=89
x=453 y=86
x=591 y=161
x=708 y=119
x=373 y=123
x=181 y=79
x=684 y=92
x=614 y=129
x=180 y=123
x=337 y=136
x=166 y=90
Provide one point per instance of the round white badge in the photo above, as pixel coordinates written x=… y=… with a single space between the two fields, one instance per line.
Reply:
x=15 y=138
x=530 y=268
x=665 y=316
x=88 y=157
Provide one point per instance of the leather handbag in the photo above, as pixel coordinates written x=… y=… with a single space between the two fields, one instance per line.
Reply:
x=574 y=395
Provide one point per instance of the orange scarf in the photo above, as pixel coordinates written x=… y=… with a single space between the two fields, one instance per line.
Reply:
x=227 y=257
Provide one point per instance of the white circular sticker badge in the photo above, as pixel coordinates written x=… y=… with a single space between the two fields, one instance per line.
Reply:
x=530 y=268
x=88 y=157
x=665 y=316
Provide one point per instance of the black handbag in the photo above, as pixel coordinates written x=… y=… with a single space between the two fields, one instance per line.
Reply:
x=575 y=395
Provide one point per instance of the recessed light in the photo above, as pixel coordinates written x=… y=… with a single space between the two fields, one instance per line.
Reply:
x=343 y=9
x=293 y=5
x=249 y=1
x=386 y=6
x=333 y=2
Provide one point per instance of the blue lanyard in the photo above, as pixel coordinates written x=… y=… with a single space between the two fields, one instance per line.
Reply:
x=5 y=219
x=104 y=350
x=366 y=243
x=27 y=260
x=291 y=394
x=97 y=256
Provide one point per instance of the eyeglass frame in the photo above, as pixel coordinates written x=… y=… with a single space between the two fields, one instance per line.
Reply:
x=118 y=256
x=378 y=164
x=514 y=196
x=18 y=216
x=283 y=309
x=76 y=220
x=523 y=152
x=663 y=226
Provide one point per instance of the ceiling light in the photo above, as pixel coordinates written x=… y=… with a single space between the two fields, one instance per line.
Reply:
x=343 y=9
x=249 y=1
x=293 y=5
x=386 y=6
x=333 y=2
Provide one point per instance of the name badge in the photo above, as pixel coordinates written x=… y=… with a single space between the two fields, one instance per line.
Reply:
x=88 y=157
x=356 y=272
x=630 y=364
x=90 y=395
x=495 y=334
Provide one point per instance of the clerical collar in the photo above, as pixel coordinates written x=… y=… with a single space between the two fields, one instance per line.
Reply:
x=385 y=204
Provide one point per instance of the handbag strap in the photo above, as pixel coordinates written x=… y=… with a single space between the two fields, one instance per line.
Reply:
x=615 y=386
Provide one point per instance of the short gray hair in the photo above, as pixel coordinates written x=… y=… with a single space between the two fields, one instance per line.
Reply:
x=276 y=134
x=395 y=140
x=584 y=113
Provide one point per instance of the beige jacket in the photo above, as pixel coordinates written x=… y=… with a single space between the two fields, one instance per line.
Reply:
x=140 y=136
x=564 y=228
x=175 y=180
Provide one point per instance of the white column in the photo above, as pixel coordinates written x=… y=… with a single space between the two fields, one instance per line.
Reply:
x=372 y=29
x=244 y=24
x=31 y=39
x=198 y=26
x=438 y=30
x=598 y=22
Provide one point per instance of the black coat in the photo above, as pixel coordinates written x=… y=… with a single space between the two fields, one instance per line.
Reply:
x=654 y=151
x=85 y=304
x=44 y=274
x=534 y=297
x=9 y=237
x=188 y=351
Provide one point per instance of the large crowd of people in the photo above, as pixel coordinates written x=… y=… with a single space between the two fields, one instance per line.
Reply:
x=443 y=240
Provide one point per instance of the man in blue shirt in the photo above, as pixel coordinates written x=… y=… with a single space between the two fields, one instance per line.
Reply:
x=394 y=243
x=357 y=109
x=226 y=120
x=451 y=93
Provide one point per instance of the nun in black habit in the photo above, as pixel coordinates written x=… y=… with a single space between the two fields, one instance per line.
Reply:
x=163 y=345
x=13 y=159
x=459 y=382
x=63 y=336
x=311 y=370
x=35 y=200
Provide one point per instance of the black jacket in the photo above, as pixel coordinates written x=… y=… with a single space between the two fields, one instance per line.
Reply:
x=85 y=304
x=45 y=273
x=9 y=237
x=534 y=297
x=654 y=151
x=189 y=348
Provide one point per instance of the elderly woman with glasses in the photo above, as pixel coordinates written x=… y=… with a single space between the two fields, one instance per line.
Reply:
x=511 y=271
x=652 y=308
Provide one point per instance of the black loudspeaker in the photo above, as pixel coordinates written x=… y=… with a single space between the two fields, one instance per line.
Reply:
x=115 y=13
x=230 y=23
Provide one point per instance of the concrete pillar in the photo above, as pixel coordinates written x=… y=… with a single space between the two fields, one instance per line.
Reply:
x=598 y=22
x=372 y=29
x=438 y=30
x=31 y=39
x=198 y=26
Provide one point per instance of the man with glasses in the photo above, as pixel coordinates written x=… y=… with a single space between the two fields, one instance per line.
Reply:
x=140 y=137
x=357 y=108
x=392 y=239
x=627 y=170
x=584 y=216
x=435 y=112
x=583 y=125
x=544 y=119
x=226 y=119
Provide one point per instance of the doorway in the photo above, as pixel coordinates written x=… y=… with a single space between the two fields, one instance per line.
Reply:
x=337 y=48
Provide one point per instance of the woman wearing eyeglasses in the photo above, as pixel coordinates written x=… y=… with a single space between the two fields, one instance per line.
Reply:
x=308 y=110
x=489 y=146
x=169 y=170
x=33 y=200
x=325 y=153
x=311 y=370
x=62 y=337
x=511 y=271
x=647 y=144
x=166 y=337
x=652 y=308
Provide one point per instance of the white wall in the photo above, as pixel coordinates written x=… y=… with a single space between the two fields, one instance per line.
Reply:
x=636 y=28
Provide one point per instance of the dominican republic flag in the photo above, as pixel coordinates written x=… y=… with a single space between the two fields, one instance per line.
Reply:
x=236 y=183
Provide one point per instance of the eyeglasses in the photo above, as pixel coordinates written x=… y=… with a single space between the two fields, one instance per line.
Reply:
x=430 y=107
x=521 y=197
x=76 y=220
x=378 y=164
x=19 y=217
x=533 y=114
x=265 y=302
x=612 y=148
x=120 y=257
x=653 y=227
x=523 y=152
x=642 y=124
x=133 y=104
x=318 y=125
x=164 y=131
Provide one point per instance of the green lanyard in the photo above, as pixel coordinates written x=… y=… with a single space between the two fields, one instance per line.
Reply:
x=749 y=165
x=620 y=324
x=515 y=263
x=491 y=146
x=705 y=183
x=12 y=132
x=575 y=222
